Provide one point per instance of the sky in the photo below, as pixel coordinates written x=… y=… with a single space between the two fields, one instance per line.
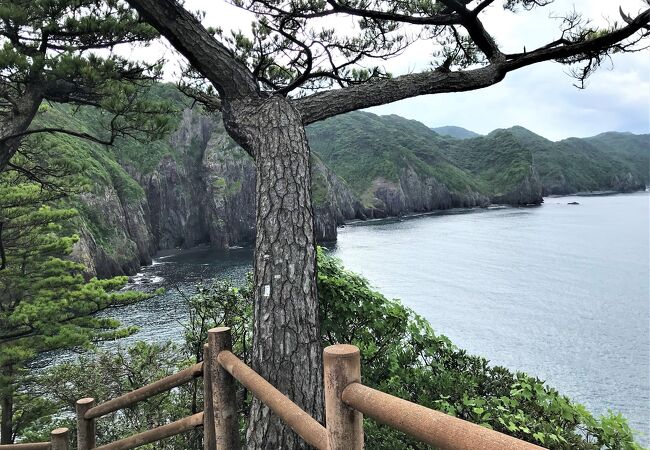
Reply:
x=541 y=98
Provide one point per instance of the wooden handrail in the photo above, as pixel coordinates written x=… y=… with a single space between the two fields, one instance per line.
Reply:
x=431 y=427
x=346 y=401
x=341 y=366
x=59 y=440
x=298 y=420
x=29 y=446
x=222 y=403
x=145 y=392
x=157 y=434
x=86 y=428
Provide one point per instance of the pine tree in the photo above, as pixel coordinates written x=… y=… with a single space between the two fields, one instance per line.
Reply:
x=59 y=51
x=62 y=51
x=295 y=68
x=45 y=302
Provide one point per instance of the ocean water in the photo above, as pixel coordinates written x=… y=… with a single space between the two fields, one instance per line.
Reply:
x=559 y=291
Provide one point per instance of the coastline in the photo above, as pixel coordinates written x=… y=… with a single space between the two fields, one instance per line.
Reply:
x=166 y=253
x=595 y=193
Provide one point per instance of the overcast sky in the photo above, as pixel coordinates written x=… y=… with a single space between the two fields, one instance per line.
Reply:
x=541 y=98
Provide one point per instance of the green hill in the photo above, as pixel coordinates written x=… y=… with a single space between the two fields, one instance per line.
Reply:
x=389 y=161
x=502 y=164
x=455 y=132
x=608 y=162
x=393 y=164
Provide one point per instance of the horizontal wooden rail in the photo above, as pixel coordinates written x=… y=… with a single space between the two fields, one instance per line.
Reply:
x=157 y=434
x=297 y=419
x=145 y=392
x=59 y=440
x=431 y=427
x=30 y=446
x=346 y=401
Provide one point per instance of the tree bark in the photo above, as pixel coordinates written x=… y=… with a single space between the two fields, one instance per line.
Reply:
x=286 y=335
x=17 y=121
x=7 y=405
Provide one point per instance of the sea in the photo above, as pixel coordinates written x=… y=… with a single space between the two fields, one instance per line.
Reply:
x=560 y=291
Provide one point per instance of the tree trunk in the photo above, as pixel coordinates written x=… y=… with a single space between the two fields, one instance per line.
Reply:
x=16 y=122
x=7 y=405
x=286 y=333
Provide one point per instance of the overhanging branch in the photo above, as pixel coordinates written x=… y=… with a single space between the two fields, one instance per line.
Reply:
x=78 y=134
x=387 y=90
x=322 y=105
x=566 y=49
x=228 y=75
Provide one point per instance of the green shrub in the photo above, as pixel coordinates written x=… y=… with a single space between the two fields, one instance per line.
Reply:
x=401 y=355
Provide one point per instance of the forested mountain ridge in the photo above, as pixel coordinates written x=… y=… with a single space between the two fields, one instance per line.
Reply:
x=503 y=166
x=455 y=132
x=393 y=165
x=198 y=187
x=611 y=161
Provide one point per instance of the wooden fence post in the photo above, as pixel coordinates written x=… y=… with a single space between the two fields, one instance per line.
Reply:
x=342 y=366
x=224 y=402
x=209 y=441
x=85 y=427
x=60 y=439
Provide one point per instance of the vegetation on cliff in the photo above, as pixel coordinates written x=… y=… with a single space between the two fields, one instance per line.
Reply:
x=363 y=148
x=455 y=132
x=139 y=197
x=503 y=167
x=513 y=166
x=608 y=162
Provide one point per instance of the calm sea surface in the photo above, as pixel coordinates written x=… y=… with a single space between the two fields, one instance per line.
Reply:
x=559 y=291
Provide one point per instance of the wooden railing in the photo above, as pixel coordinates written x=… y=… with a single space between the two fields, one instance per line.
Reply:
x=346 y=401
x=59 y=440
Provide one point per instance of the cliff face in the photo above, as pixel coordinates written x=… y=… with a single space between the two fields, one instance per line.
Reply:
x=413 y=192
x=333 y=200
x=228 y=199
x=611 y=161
x=393 y=165
x=115 y=236
x=526 y=191
x=200 y=191
x=198 y=186
x=175 y=189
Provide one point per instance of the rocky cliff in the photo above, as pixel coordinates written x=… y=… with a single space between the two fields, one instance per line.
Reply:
x=392 y=165
x=198 y=187
x=412 y=192
x=611 y=161
x=503 y=167
x=199 y=190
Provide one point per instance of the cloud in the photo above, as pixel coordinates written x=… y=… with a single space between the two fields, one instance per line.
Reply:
x=541 y=97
